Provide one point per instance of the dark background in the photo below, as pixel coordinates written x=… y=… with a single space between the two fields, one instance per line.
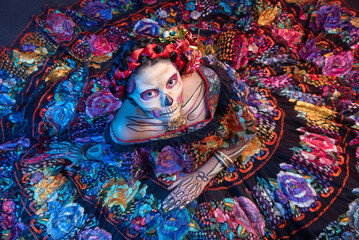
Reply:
x=16 y=14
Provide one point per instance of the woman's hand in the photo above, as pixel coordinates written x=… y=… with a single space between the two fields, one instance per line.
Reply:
x=185 y=190
x=66 y=150
x=189 y=187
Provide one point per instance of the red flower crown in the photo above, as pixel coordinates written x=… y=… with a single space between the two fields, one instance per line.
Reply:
x=179 y=40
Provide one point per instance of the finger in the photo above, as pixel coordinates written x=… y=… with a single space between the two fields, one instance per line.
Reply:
x=174 y=205
x=168 y=202
x=54 y=151
x=74 y=155
x=198 y=192
x=61 y=144
x=174 y=184
x=57 y=156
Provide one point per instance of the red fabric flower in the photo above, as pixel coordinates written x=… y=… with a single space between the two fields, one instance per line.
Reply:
x=60 y=26
x=99 y=46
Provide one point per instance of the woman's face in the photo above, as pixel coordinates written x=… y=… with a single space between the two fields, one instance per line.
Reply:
x=158 y=90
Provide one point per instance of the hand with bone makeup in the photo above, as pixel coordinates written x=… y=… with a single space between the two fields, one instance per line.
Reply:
x=75 y=152
x=189 y=187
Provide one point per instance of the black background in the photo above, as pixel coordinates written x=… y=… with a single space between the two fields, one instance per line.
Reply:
x=16 y=14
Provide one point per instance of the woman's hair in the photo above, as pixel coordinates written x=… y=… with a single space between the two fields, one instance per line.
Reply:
x=122 y=59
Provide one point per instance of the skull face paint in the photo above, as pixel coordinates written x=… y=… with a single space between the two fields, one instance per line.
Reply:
x=158 y=91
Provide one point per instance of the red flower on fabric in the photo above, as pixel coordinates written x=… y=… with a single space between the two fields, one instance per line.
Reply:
x=150 y=2
x=319 y=142
x=101 y=103
x=99 y=46
x=138 y=223
x=291 y=36
x=60 y=26
x=339 y=64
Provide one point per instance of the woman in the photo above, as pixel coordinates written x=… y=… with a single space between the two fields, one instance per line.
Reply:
x=150 y=177
x=166 y=96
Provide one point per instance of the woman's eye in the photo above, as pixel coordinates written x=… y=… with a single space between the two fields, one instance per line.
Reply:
x=171 y=82
x=149 y=94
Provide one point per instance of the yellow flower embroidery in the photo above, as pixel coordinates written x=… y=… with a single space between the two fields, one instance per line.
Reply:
x=118 y=192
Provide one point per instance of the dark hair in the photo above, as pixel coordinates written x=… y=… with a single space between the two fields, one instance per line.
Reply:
x=123 y=55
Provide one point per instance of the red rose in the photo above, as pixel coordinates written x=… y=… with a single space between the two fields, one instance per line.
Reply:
x=99 y=46
x=101 y=103
x=337 y=65
x=320 y=142
x=150 y=2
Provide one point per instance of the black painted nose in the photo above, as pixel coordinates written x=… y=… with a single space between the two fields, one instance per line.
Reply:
x=168 y=101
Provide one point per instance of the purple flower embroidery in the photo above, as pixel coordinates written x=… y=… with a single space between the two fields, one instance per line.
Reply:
x=297 y=190
x=329 y=17
x=142 y=160
x=170 y=161
x=253 y=216
x=310 y=50
x=98 y=11
x=8 y=220
x=8 y=206
x=95 y=234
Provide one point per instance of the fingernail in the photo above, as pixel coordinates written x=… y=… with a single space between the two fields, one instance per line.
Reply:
x=170 y=209
x=181 y=207
x=171 y=201
x=164 y=206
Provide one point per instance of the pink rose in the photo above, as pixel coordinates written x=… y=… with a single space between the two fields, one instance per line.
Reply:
x=8 y=206
x=101 y=103
x=150 y=2
x=99 y=46
x=60 y=26
x=138 y=223
x=319 y=142
x=290 y=36
x=248 y=215
x=339 y=64
x=219 y=215
x=319 y=157
x=170 y=161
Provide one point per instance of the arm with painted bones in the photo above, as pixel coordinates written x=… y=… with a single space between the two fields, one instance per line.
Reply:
x=189 y=187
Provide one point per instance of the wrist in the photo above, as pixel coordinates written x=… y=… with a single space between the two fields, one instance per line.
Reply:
x=84 y=150
x=223 y=158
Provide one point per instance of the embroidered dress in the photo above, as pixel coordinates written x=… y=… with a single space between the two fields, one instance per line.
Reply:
x=292 y=81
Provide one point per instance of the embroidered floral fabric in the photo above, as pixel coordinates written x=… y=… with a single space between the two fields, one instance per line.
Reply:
x=298 y=179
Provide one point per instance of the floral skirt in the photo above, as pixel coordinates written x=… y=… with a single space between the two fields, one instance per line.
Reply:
x=298 y=179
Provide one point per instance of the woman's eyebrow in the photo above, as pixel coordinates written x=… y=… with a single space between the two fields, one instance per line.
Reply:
x=173 y=76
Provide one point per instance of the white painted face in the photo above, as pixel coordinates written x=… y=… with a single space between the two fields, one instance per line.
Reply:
x=158 y=91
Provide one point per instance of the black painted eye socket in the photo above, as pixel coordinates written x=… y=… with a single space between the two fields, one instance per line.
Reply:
x=146 y=95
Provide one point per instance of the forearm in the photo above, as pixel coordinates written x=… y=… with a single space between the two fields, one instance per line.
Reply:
x=212 y=167
x=215 y=163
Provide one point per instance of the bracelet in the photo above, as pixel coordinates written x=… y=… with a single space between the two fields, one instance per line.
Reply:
x=223 y=158
x=84 y=150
